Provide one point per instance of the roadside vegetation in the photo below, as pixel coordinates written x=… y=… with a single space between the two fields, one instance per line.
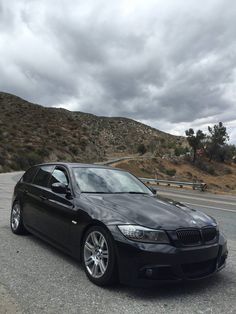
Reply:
x=212 y=145
x=219 y=177
x=207 y=158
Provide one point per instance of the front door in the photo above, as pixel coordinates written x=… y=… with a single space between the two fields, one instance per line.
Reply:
x=59 y=211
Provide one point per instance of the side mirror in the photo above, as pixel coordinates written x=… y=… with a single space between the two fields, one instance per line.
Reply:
x=154 y=191
x=59 y=188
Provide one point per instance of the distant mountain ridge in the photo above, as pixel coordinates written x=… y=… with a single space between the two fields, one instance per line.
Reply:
x=31 y=133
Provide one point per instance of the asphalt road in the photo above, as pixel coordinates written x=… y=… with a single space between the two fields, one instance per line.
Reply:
x=36 y=278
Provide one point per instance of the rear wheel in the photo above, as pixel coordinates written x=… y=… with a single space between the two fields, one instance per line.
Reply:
x=16 y=220
x=99 y=256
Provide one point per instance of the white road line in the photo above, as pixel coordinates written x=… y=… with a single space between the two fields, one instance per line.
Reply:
x=198 y=198
x=211 y=207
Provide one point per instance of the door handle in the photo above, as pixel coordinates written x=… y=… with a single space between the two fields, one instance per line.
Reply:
x=26 y=192
x=43 y=198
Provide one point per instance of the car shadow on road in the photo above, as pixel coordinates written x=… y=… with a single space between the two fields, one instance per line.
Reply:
x=55 y=251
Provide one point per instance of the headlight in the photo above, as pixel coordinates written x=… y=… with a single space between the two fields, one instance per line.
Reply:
x=142 y=234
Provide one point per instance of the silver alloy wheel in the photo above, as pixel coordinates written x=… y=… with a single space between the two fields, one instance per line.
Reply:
x=96 y=254
x=15 y=216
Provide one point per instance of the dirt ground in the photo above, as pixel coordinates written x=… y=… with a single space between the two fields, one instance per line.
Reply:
x=219 y=177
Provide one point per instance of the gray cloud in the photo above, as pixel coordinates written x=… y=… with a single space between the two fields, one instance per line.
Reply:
x=169 y=64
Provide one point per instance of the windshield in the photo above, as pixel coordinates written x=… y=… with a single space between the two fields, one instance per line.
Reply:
x=101 y=180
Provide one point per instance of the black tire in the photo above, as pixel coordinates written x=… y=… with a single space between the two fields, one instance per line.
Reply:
x=109 y=276
x=16 y=220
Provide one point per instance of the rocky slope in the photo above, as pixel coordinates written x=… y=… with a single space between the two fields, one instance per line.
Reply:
x=31 y=133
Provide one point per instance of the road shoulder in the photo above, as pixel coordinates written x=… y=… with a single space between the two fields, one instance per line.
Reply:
x=7 y=304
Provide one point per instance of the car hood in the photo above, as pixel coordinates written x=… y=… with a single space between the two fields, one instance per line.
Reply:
x=151 y=212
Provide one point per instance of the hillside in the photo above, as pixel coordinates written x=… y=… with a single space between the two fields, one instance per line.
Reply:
x=219 y=177
x=31 y=133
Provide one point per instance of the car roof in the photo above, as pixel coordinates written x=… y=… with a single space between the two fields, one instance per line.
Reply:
x=79 y=165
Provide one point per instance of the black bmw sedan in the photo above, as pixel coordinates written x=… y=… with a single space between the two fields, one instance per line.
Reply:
x=115 y=225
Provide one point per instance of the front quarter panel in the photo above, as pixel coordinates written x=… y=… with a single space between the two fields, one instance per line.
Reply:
x=89 y=213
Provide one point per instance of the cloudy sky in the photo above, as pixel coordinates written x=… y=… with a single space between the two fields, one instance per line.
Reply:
x=168 y=63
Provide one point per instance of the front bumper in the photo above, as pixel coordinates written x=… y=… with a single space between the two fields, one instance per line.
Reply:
x=143 y=264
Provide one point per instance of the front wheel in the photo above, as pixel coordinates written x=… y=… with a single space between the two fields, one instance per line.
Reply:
x=99 y=256
x=16 y=220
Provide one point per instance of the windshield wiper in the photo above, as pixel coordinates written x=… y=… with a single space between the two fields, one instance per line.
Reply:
x=96 y=192
x=131 y=192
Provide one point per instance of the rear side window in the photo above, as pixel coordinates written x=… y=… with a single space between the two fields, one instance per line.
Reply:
x=29 y=175
x=43 y=175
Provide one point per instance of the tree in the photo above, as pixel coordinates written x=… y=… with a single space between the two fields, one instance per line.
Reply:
x=217 y=139
x=225 y=153
x=195 y=141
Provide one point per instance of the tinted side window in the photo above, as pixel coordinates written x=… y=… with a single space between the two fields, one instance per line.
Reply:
x=43 y=175
x=29 y=175
x=59 y=175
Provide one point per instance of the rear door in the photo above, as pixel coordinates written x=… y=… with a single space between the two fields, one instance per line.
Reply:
x=22 y=191
x=35 y=195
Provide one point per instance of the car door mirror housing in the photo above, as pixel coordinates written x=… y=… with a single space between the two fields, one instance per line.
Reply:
x=59 y=188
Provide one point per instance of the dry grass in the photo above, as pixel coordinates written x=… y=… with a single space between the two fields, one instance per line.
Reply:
x=223 y=180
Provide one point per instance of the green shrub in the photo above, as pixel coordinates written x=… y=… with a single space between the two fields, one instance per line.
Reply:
x=204 y=167
x=83 y=142
x=1 y=135
x=201 y=165
x=211 y=170
x=171 y=172
x=189 y=174
x=171 y=145
x=121 y=147
x=179 y=150
x=2 y=160
x=141 y=149
x=43 y=152
x=228 y=171
x=74 y=150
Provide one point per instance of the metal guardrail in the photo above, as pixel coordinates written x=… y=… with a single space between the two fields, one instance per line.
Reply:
x=110 y=162
x=113 y=161
x=195 y=185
